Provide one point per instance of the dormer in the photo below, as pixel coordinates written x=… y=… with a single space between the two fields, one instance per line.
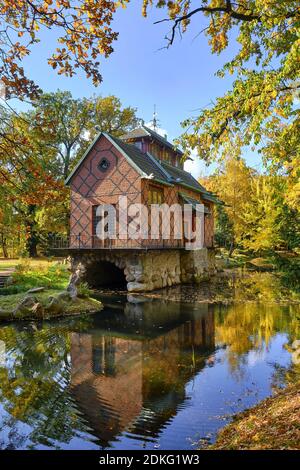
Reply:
x=149 y=141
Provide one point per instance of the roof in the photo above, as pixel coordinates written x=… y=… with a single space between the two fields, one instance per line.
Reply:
x=149 y=167
x=193 y=202
x=144 y=131
x=181 y=176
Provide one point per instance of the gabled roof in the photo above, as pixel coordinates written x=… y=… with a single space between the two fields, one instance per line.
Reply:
x=149 y=167
x=144 y=131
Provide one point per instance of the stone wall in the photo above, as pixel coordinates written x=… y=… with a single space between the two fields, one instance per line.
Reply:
x=151 y=270
x=197 y=265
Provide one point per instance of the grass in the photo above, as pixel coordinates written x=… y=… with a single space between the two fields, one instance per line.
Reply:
x=272 y=424
x=28 y=274
x=51 y=274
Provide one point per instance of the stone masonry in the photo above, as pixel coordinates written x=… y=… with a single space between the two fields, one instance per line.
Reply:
x=147 y=270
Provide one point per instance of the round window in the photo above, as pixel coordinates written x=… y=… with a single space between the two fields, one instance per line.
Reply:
x=104 y=164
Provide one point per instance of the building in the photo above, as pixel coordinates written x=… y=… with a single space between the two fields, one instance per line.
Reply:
x=146 y=169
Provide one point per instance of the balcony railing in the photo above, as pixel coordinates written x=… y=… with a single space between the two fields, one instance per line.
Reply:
x=83 y=242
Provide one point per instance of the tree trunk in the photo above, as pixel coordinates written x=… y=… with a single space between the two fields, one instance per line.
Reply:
x=231 y=249
x=32 y=235
x=4 y=245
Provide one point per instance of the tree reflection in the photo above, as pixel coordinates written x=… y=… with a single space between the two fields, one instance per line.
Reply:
x=243 y=327
x=34 y=383
x=127 y=370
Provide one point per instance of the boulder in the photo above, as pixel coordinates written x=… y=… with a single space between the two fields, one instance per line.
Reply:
x=38 y=311
x=65 y=296
x=5 y=315
x=24 y=308
x=55 y=306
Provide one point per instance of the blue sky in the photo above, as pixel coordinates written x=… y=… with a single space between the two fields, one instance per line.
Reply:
x=179 y=80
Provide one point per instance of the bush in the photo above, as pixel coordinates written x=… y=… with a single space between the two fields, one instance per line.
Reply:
x=83 y=290
x=23 y=267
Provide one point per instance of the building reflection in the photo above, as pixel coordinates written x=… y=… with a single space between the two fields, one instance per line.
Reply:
x=134 y=376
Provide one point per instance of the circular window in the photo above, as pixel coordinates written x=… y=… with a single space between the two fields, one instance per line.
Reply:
x=104 y=164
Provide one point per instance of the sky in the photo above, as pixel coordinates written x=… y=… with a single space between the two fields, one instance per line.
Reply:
x=142 y=72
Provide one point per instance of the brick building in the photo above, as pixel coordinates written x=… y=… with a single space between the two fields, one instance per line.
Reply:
x=147 y=169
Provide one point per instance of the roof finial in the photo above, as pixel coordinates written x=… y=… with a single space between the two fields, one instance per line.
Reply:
x=155 y=120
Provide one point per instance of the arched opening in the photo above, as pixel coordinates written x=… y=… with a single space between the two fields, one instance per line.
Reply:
x=105 y=274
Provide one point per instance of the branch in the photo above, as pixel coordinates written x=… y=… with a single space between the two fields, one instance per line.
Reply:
x=248 y=17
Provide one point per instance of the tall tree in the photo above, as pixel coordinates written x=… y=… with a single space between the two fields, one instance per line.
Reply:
x=73 y=123
x=28 y=175
x=233 y=184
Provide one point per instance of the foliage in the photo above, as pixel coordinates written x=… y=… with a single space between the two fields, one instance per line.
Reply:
x=232 y=183
x=36 y=155
x=261 y=109
x=272 y=424
x=83 y=290
x=84 y=32
x=54 y=276
x=256 y=215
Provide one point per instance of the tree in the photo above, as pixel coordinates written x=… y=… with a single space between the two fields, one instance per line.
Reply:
x=260 y=107
x=36 y=154
x=232 y=182
x=265 y=214
x=73 y=123
x=271 y=222
x=84 y=33
x=67 y=120
x=28 y=176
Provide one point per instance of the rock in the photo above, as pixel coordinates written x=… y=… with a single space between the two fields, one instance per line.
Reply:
x=38 y=310
x=136 y=287
x=56 y=306
x=5 y=315
x=24 y=308
x=36 y=289
x=64 y=296
x=296 y=344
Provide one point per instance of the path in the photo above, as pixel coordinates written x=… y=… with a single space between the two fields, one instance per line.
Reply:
x=4 y=276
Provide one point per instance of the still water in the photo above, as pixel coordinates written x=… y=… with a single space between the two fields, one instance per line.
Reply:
x=143 y=375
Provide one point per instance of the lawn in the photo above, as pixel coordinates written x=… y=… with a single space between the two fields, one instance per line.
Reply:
x=28 y=274
x=51 y=274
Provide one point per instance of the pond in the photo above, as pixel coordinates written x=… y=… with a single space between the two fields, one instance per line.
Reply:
x=144 y=374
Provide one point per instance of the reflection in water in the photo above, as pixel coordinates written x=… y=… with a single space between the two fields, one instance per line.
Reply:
x=148 y=373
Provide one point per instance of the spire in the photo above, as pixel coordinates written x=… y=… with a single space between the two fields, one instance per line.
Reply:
x=155 y=121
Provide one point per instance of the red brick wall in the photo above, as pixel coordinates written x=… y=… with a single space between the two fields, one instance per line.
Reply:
x=90 y=186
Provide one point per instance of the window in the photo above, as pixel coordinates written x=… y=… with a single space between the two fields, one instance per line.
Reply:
x=103 y=164
x=155 y=195
x=138 y=144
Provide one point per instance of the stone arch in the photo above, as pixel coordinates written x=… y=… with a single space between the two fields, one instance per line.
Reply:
x=105 y=273
x=100 y=270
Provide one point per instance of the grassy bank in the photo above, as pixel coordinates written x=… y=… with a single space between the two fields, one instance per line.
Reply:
x=52 y=276
x=272 y=424
x=28 y=274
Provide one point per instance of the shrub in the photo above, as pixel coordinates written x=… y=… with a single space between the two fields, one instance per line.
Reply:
x=83 y=290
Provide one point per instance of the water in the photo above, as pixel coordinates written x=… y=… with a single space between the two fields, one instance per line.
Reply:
x=145 y=375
